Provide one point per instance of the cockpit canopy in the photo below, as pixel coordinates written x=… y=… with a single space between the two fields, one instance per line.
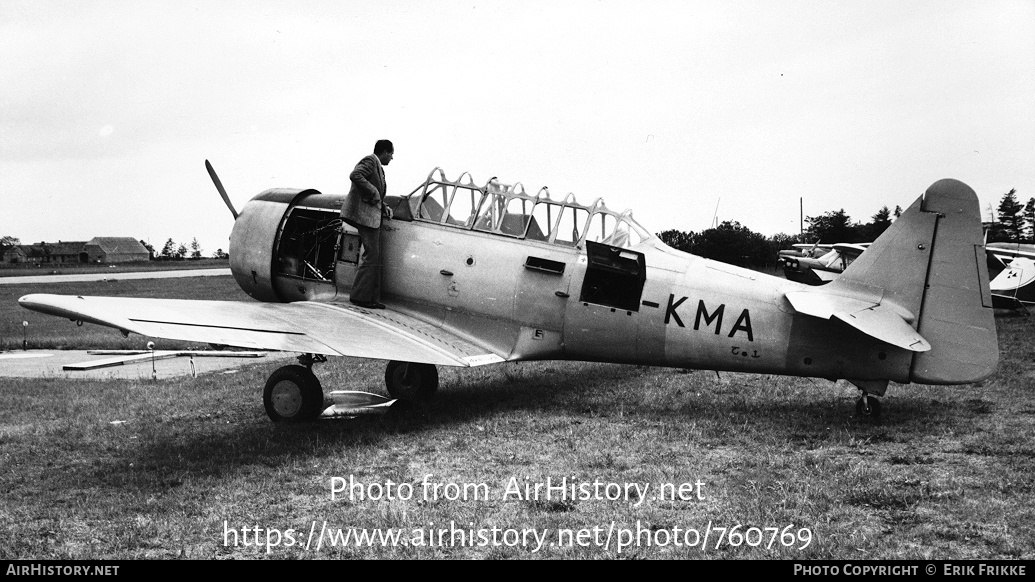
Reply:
x=507 y=210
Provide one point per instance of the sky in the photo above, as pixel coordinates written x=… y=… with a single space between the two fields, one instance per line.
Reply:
x=683 y=111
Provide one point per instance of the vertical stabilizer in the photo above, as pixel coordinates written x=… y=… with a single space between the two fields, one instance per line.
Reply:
x=893 y=270
x=930 y=267
x=956 y=316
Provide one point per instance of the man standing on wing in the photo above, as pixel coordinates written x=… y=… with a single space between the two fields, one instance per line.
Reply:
x=364 y=208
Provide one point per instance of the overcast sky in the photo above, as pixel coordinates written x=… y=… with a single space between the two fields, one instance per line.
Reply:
x=109 y=109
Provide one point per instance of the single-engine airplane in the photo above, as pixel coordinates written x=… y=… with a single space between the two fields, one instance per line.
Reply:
x=818 y=264
x=475 y=275
x=1013 y=285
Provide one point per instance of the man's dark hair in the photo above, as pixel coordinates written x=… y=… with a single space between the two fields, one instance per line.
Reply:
x=382 y=146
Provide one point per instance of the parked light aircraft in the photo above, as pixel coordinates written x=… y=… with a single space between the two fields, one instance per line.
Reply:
x=819 y=264
x=1013 y=286
x=1011 y=268
x=476 y=275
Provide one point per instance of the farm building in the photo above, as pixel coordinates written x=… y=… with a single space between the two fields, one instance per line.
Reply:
x=96 y=250
x=44 y=252
x=17 y=254
x=110 y=249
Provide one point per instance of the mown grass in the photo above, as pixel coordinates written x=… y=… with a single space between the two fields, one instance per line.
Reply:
x=48 y=332
x=946 y=474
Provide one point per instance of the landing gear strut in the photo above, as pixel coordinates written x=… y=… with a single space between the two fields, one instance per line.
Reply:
x=410 y=381
x=868 y=407
x=293 y=393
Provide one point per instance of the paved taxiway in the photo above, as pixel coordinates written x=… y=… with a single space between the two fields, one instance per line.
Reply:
x=112 y=276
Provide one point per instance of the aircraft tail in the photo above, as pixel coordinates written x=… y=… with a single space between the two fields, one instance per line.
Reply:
x=930 y=268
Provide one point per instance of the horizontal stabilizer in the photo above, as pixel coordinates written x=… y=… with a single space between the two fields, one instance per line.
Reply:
x=873 y=319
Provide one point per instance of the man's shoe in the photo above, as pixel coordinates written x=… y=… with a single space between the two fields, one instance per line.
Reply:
x=367 y=304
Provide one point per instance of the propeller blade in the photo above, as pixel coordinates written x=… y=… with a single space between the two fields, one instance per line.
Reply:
x=219 y=186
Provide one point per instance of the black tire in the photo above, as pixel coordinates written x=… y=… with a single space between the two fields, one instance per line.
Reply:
x=870 y=410
x=293 y=394
x=410 y=381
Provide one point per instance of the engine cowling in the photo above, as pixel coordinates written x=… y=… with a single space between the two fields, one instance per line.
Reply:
x=254 y=237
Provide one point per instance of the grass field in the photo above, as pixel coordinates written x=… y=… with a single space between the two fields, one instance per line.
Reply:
x=47 y=332
x=170 y=469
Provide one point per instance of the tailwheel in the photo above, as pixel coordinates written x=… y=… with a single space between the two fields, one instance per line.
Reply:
x=293 y=394
x=868 y=407
x=410 y=381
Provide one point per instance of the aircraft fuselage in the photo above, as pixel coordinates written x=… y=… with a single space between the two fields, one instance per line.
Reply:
x=692 y=313
x=533 y=299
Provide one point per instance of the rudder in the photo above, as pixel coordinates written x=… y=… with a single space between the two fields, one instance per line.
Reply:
x=956 y=315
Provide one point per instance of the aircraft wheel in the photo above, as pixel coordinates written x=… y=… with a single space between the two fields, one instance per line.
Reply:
x=293 y=394
x=870 y=408
x=410 y=381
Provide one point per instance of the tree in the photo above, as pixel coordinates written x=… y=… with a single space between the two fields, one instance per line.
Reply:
x=882 y=218
x=735 y=244
x=880 y=222
x=833 y=227
x=7 y=242
x=150 y=250
x=181 y=252
x=195 y=249
x=898 y=211
x=677 y=239
x=782 y=241
x=219 y=254
x=1011 y=222
x=168 y=250
x=1029 y=220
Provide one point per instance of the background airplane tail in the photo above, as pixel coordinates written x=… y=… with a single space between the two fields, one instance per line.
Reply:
x=930 y=266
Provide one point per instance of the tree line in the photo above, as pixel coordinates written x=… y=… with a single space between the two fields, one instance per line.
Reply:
x=173 y=251
x=733 y=243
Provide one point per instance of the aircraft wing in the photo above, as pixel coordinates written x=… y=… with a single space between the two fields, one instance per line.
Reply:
x=851 y=249
x=873 y=319
x=1005 y=252
x=810 y=246
x=812 y=250
x=331 y=329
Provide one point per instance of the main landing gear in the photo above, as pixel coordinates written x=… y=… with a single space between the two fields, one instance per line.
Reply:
x=294 y=394
x=410 y=381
